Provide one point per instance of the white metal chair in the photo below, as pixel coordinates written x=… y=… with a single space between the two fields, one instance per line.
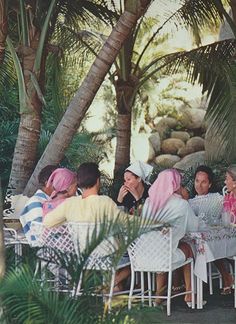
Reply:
x=152 y=252
x=11 y=238
x=101 y=258
x=51 y=240
x=224 y=191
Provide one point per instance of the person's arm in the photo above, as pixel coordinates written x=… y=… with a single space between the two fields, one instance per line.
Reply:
x=57 y=216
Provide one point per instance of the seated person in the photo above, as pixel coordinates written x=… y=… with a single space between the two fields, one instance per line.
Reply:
x=64 y=184
x=33 y=210
x=89 y=208
x=230 y=198
x=210 y=205
x=166 y=205
x=135 y=188
x=206 y=202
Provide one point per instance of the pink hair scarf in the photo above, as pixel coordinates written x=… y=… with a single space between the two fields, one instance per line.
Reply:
x=167 y=182
x=61 y=179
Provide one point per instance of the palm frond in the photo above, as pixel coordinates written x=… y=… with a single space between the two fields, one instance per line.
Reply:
x=221 y=117
x=202 y=64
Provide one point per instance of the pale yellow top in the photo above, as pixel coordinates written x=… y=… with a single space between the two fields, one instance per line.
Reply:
x=90 y=209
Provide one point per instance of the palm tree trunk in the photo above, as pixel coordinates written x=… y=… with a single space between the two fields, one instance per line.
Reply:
x=79 y=105
x=3 y=29
x=2 y=246
x=25 y=153
x=123 y=135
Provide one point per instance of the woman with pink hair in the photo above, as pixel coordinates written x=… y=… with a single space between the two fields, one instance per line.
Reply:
x=166 y=205
x=64 y=184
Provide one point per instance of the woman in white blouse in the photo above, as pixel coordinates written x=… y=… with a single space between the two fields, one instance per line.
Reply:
x=166 y=205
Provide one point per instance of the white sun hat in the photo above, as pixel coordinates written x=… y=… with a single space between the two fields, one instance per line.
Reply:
x=141 y=169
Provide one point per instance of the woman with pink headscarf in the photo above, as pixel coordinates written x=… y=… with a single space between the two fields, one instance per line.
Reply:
x=64 y=184
x=166 y=205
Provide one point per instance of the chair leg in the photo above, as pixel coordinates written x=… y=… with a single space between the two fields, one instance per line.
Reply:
x=131 y=288
x=192 y=286
x=142 y=286
x=169 y=285
x=210 y=278
x=78 y=288
x=153 y=281
x=149 y=289
x=111 y=289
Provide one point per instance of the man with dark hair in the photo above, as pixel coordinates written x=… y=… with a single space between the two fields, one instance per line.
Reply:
x=88 y=174
x=89 y=207
x=33 y=210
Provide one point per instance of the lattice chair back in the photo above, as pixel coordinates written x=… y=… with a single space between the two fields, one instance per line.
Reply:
x=152 y=251
x=210 y=205
x=83 y=235
x=224 y=191
x=58 y=238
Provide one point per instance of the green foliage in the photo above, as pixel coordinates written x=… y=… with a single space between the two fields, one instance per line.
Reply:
x=9 y=122
x=24 y=299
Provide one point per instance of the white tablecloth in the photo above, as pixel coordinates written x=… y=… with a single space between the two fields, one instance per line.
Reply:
x=211 y=244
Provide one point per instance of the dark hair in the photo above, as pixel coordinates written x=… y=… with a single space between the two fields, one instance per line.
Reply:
x=45 y=173
x=210 y=174
x=87 y=175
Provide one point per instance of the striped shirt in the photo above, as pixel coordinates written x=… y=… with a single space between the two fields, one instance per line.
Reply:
x=33 y=212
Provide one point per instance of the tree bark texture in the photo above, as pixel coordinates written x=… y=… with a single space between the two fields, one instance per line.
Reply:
x=123 y=135
x=3 y=29
x=124 y=100
x=79 y=105
x=25 y=153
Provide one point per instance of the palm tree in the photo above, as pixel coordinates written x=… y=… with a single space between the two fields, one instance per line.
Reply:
x=34 y=34
x=3 y=29
x=199 y=63
x=89 y=87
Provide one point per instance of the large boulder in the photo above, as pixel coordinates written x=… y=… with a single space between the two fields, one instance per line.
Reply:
x=155 y=141
x=193 y=118
x=191 y=160
x=167 y=160
x=171 y=145
x=164 y=125
x=183 y=151
x=195 y=144
x=141 y=148
x=184 y=136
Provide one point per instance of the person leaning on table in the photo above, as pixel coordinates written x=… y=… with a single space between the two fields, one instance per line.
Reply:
x=90 y=207
x=166 y=205
x=203 y=185
x=33 y=209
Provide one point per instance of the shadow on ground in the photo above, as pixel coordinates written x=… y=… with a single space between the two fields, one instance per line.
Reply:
x=219 y=309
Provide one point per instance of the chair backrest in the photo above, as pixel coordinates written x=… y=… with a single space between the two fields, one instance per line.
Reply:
x=58 y=238
x=210 y=205
x=224 y=191
x=83 y=235
x=152 y=251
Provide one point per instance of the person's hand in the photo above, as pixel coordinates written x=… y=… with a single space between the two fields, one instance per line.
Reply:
x=122 y=193
x=133 y=191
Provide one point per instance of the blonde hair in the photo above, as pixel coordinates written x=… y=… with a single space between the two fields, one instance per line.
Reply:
x=232 y=171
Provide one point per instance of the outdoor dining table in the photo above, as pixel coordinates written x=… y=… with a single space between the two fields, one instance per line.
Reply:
x=209 y=244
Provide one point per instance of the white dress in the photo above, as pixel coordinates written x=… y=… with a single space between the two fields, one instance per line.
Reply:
x=180 y=216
